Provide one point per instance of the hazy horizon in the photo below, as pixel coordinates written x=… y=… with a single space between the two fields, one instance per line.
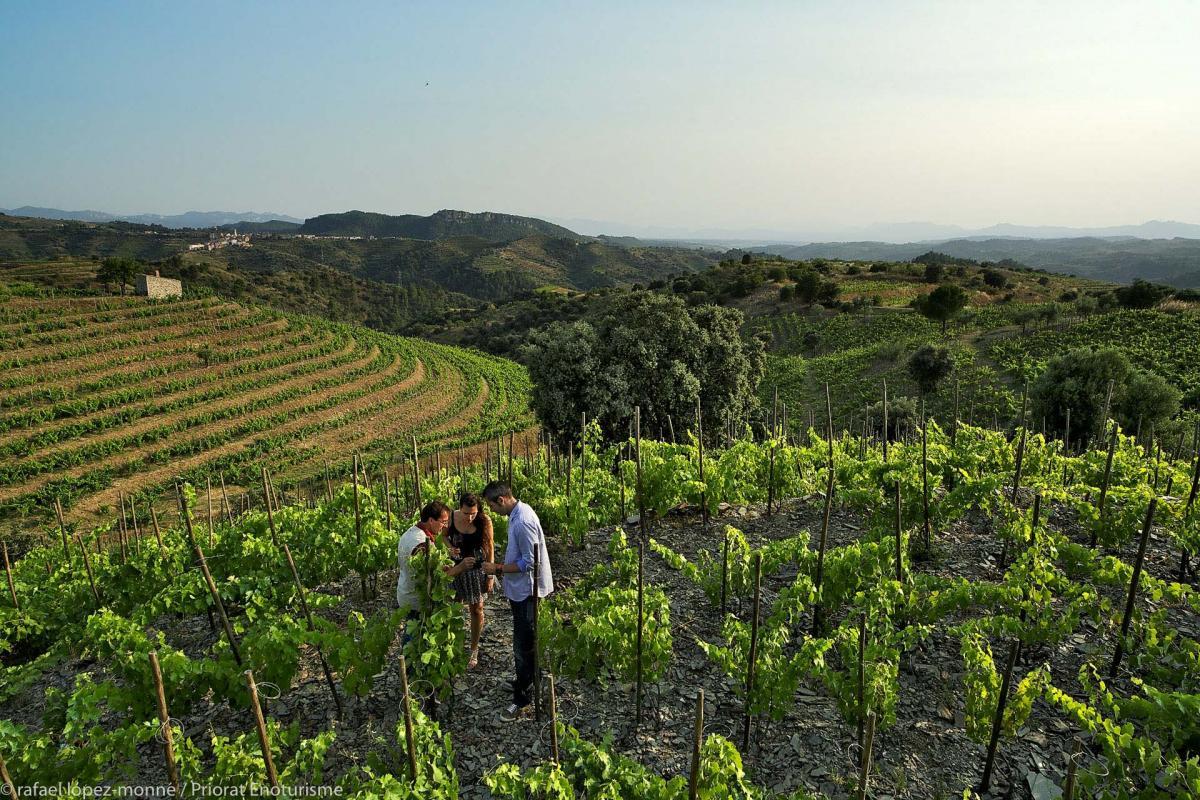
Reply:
x=771 y=117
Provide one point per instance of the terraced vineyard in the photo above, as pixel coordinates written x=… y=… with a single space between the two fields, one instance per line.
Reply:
x=108 y=395
x=64 y=274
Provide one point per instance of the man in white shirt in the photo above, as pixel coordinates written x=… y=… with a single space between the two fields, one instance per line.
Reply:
x=525 y=553
x=417 y=539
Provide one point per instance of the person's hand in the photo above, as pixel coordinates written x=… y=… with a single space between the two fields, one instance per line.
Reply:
x=490 y=567
x=468 y=563
x=454 y=551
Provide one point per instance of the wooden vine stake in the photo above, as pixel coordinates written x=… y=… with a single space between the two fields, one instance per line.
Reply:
x=864 y=773
x=724 y=573
x=12 y=588
x=162 y=550
x=416 y=474
x=899 y=538
x=582 y=473
x=266 y=484
x=122 y=528
x=553 y=720
x=387 y=499
x=408 y=720
x=208 y=495
x=511 y=435
x=885 y=423
x=208 y=578
x=820 y=572
x=641 y=619
x=926 y=532
x=226 y=510
x=1107 y=406
x=998 y=719
x=954 y=428
x=1133 y=587
x=9 y=789
x=862 y=679
x=1072 y=766
x=537 y=667
x=164 y=720
x=637 y=455
x=697 y=742
x=261 y=725
x=1112 y=446
x=1184 y=556
x=362 y=580
x=771 y=444
x=700 y=459
x=62 y=527
x=137 y=532
x=87 y=565
x=753 y=656
x=300 y=593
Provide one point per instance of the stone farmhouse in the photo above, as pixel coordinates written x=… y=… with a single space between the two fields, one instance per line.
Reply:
x=157 y=286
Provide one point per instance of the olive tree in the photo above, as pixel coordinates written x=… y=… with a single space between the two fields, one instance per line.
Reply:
x=649 y=350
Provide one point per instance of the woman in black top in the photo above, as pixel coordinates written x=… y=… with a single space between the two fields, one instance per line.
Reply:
x=470 y=534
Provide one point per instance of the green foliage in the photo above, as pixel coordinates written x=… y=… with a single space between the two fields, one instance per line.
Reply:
x=942 y=304
x=239 y=760
x=435 y=651
x=593 y=772
x=1079 y=380
x=436 y=779
x=928 y=366
x=590 y=630
x=648 y=350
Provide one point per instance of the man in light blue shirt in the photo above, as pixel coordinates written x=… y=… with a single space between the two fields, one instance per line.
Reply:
x=524 y=558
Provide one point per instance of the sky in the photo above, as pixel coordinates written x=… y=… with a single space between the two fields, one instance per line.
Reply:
x=790 y=116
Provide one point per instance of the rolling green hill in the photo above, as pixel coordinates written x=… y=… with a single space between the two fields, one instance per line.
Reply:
x=470 y=266
x=446 y=224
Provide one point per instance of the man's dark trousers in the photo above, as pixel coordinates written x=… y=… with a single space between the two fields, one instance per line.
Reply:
x=523 y=649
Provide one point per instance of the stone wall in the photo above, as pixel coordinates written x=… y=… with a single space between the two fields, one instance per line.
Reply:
x=154 y=286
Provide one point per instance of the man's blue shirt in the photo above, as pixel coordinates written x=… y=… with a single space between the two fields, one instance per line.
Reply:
x=524 y=535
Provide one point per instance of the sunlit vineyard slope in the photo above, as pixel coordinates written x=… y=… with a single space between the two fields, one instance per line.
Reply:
x=101 y=395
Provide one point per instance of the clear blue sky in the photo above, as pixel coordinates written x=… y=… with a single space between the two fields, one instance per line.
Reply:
x=751 y=115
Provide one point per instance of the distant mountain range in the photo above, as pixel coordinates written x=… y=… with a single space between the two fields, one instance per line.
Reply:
x=189 y=219
x=506 y=227
x=896 y=233
x=446 y=224
x=506 y=253
x=1119 y=259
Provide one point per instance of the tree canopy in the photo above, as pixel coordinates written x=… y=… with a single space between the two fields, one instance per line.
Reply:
x=121 y=270
x=929 y=365
x=649 y=350
x=1078 y=380
x=942 y=304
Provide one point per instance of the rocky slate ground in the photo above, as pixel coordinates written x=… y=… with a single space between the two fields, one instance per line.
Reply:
x=925 y=755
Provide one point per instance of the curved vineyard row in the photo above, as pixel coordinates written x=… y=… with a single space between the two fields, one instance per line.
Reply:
x=124 y=395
